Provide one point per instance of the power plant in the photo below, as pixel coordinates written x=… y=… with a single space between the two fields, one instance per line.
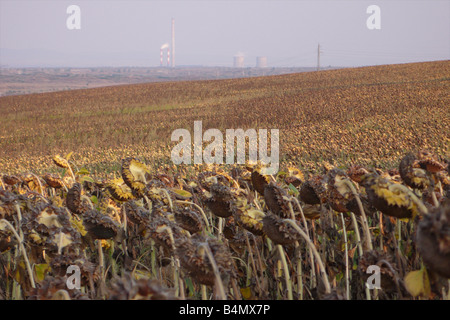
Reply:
x=238 y=61
x=161 y=59
x=261 y=62
x=170 y=63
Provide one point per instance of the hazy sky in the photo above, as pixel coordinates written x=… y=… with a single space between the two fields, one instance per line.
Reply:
x=130 y=33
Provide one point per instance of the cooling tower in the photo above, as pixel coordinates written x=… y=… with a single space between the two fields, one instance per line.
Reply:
x=261 y=62
x=238 y=61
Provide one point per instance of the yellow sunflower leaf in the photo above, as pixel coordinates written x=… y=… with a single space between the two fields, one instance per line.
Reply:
x=417 y=283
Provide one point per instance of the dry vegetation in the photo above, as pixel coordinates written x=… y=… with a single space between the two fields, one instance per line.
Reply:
x=364 y=180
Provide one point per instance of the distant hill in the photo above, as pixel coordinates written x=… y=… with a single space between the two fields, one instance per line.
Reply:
x=369 y=116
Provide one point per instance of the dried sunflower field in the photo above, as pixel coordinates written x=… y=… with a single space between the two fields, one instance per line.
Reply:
x=364 y=181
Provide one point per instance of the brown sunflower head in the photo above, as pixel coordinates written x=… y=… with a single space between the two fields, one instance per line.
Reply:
x=49 y=228
x=135 y=174
x=165 y=232
x=195 y=261
x=119 y=190
x=355 y=172
x=250 y=219
x=11 y=179
x=219 y=207
x=61 y=162
x=277 y=200
x=278 y=230
x=221 y=192
x=53 y=181
x=390 y=198
x=136 y=213
x=338 y=192
x=314 y=190
x=73 y=199
x=188 y=219
x=429 y=162
x=433 y=239
x=413 y=175
x=259 y=180
x=100 y=226
x=294 y=176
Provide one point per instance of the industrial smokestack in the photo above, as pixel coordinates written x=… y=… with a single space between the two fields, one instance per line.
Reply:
x=173 y=42
x=168 y=57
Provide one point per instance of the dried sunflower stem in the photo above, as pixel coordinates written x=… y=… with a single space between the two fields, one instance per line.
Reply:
x=287 y=278
x=176 y=273
x=299 y=276
x=311 y=258
x=22 y=248
x=204 y=293
x=360 y=249
x=344 y=231
x=363 y=215
x=101 y=262
x=204 y=247
x=435 y=200
x=169 y=199
x=316 y=254
x=40 y=184
x=252 y=260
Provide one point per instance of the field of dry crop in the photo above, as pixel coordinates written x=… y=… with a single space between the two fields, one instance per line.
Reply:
x=87 y=181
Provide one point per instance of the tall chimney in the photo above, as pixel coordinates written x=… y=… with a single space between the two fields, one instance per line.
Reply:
x=168 y=57
x=173 y=43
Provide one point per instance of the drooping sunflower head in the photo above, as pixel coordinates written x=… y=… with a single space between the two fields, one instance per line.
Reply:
x=100 y=226
x=11 y=179
x=433 y=239
x=188 y=219
x=259 y=180
x=391 y=198
x=277 y=200
x=278 y=230
x=73 y=199
x=61 y=162
x=412 y=175
x=53 y=181
x=119 y=190
x=429 y=162
x=251 y=219
x=195 y=260
x=294 y=176
x=135 y=174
